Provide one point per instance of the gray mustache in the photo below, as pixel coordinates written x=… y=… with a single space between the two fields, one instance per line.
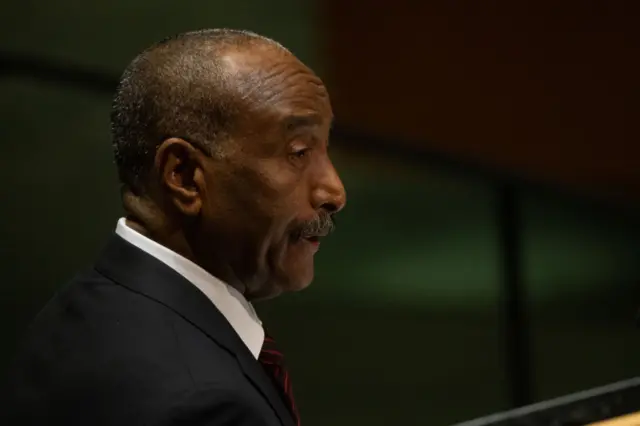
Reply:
x=322 y=225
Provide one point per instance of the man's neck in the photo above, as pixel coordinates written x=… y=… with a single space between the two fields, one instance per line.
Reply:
x=176 y=241
x=145 y=216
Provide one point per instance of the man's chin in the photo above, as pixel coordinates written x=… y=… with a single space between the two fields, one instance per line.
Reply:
x=300 y=284
x=295 y=281
x=291 y=271
x=297 y=270
x=284 y=284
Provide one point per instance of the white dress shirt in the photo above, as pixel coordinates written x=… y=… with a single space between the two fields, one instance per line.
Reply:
x=229 y=301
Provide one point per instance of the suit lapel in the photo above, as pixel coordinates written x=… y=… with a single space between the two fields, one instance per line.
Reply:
x=135 y=269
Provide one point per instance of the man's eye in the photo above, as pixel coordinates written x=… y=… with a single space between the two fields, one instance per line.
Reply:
x=301 y=153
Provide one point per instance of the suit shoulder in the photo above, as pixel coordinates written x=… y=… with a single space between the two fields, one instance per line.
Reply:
x=95 y=309
x=101 y=346
x=94 y=328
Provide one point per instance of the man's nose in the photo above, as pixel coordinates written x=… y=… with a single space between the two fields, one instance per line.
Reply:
x=329 y=193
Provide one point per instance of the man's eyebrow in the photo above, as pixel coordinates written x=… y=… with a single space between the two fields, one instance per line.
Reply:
x=298 y=121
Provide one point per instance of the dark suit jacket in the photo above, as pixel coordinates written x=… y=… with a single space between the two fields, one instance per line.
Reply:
x=131 y=342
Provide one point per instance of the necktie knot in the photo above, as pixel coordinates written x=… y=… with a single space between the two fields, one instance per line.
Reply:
x=270 y=353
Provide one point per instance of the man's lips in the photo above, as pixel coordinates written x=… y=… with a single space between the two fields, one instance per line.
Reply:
x=313 y=241
x=308 y=236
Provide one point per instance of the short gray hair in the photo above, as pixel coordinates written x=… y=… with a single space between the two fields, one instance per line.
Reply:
x=176 y=88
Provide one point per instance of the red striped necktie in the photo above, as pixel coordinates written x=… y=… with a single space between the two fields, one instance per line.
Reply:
x=273 y=362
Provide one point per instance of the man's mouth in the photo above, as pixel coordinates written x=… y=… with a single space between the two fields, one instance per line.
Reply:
x=309 y=238
x=313 y=239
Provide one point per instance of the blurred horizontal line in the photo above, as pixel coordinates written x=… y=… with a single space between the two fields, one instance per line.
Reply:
x=562 y=405
x=461 y=168
x=20 y=65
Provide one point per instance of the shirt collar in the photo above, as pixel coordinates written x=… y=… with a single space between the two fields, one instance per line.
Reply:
x=229 y=301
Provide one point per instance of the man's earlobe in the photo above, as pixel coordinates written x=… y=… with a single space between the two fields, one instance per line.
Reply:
x=179 y=167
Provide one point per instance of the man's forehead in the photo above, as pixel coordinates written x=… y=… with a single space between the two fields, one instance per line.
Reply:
x=254 y=59
x=279 y=82
x=266 y=65
x=305 y=119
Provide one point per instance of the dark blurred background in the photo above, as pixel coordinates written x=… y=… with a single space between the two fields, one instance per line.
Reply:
x=489 y=256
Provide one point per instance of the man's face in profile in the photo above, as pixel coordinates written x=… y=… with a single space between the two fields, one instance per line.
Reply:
x=275 y=191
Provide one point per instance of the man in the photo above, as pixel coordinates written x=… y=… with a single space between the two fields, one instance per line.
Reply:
x=220 y=139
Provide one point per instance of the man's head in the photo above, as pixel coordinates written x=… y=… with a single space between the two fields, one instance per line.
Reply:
x=220 y=139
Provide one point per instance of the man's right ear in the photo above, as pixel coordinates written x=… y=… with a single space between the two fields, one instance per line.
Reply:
x=180 y=169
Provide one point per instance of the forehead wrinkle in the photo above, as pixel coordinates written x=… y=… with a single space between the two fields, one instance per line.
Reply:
x=263 y=78
x=278 y=86
x=281 y=82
